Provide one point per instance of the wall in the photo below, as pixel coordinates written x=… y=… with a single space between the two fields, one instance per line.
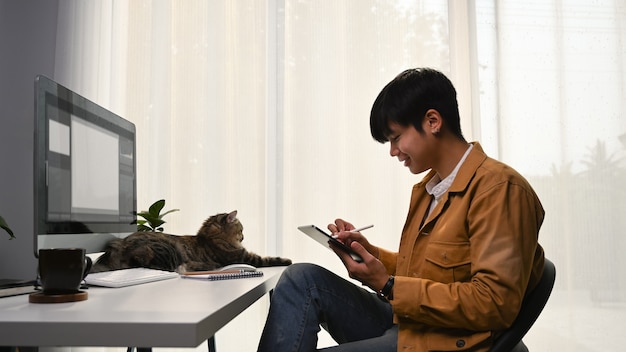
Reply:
x=27 y=43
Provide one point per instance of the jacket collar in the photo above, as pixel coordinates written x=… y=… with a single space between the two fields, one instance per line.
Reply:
x=467 y=170
x=475 y=158
x=465 y=174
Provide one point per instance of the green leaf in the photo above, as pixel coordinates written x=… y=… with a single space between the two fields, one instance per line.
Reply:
x=143 y=228
x=156 y=223
x=5 y=227
x=155 y=208
x=169 y=211
x=147 y=215
x=153 y=219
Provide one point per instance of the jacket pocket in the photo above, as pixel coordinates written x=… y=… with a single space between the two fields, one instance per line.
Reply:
x=447 y=262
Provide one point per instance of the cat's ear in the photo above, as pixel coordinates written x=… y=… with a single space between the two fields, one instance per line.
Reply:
x=232 y=216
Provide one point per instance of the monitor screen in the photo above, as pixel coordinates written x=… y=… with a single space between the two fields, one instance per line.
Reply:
x=85 y=171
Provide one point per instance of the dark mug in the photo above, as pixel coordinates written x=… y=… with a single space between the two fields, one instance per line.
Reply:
x=61 y=270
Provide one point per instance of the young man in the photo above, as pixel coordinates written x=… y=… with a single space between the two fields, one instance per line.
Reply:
x=467 y=255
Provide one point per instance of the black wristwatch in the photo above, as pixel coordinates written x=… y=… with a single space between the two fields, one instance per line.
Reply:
x=387 y=290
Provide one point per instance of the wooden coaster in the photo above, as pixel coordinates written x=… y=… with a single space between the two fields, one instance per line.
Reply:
x=41 y=297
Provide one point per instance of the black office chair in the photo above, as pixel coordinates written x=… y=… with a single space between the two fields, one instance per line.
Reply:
x=511 y=339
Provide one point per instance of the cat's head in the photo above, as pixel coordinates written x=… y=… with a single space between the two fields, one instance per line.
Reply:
x=225 y=226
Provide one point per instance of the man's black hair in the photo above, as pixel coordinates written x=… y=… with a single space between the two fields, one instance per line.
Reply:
x=406 y=99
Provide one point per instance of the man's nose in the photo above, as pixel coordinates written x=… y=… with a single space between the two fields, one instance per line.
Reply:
x=393 y=150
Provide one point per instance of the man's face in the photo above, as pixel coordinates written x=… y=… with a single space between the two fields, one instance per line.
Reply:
x=416 y=150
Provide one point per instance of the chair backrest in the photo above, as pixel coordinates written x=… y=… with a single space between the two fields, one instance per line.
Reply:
x=531 y=308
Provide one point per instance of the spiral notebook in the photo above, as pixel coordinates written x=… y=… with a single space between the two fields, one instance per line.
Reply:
x=222 y=274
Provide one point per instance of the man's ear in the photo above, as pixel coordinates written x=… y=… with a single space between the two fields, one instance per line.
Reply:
x=433 y=121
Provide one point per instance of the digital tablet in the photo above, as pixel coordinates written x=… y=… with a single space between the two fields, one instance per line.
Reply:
x=325 y=239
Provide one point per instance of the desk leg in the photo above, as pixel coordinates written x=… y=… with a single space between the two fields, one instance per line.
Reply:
x=139 y=349
x=211 y=344
x=211 y=341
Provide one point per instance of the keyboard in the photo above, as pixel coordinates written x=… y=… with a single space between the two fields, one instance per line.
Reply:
x=128 y=277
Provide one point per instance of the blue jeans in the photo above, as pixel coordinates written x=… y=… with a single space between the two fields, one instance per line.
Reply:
x=308 y=296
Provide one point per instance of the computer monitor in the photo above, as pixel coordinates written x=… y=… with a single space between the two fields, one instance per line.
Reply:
x=85 y=171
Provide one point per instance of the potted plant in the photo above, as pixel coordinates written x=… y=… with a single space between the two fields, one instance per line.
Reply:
x=5 y=227
x=153 y=219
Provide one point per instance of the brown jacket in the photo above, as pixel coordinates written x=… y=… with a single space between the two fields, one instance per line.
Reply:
x=461 y=274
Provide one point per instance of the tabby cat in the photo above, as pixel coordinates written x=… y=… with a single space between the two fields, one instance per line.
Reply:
x=217 y=244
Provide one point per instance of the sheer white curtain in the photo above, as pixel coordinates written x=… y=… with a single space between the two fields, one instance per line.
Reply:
x=552 y=89
x=263 y=106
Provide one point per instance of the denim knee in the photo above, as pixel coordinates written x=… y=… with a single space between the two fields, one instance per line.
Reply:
x=299 y=274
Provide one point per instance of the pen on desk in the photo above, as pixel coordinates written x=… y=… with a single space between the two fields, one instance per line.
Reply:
x=213 y=272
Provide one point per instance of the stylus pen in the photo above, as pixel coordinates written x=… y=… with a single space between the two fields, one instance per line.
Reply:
x=361 y=228
x=356 y=230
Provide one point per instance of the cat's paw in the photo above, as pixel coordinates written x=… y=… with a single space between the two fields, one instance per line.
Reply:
x=282 y=261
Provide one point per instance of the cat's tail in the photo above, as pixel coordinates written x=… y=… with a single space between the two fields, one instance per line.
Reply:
x=105 y=262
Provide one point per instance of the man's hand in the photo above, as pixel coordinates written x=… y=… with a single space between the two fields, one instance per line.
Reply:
x=341 y=229
x=371 y=272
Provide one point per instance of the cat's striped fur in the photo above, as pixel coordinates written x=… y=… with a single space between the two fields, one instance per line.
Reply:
x=217 y=244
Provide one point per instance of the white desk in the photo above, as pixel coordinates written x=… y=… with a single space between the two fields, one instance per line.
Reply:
x=171 y=313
